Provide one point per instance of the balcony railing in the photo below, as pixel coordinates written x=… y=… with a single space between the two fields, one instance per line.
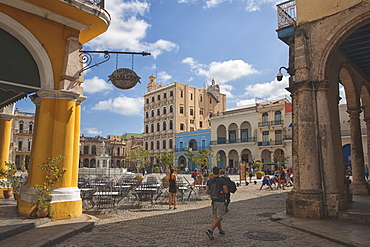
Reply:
x=227 y=141
x=271 y=143
x=287 y=15
x=270 y=123
x=191 y=149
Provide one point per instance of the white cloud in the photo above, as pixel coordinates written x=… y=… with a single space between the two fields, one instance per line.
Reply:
x=164 y=77
x=92 y=131
x=222 y=72
x=121 y=105
x=265 y=91
x=95 y=85
x=226 y=89
x=127 y=31
x=251 y=5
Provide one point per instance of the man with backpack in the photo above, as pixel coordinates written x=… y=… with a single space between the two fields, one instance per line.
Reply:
x=216 y=188
x=231 y=187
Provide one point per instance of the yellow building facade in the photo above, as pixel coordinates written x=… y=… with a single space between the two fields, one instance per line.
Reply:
x=46 y=38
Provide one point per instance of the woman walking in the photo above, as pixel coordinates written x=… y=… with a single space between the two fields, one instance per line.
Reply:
x=282 y=177
x=172 y=189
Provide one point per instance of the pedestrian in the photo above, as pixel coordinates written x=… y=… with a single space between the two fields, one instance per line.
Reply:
x=194 y=175
x=266 y=181
x=282 y=178
x=172 y=189
x=366 y=172
x=250 y=172
x=143 y=171
x=216 y=188
x=231 y=187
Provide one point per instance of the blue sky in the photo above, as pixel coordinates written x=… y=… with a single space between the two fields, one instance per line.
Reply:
x=192 y=42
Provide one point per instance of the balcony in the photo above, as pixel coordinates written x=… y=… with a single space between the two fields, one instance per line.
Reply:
x=231 y=141
x=271 y=143
x=287 y=19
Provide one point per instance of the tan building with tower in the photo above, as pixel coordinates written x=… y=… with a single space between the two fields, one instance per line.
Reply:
x=177 y=108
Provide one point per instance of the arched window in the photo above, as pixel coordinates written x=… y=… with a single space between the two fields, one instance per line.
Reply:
x=118 y=151
x=30 y=127
x=152 y=113
x=152 y=145
x=147 y=114
x=265 y=119
x=152 y=128
x=278 y=120
x=164 y=144
x=93 y=149
x=21 y=126
x=170 y=143
x=164 y=126
x=158 y=112
x=146 y=146
x=158 y=126
x=171 y=124
x=164 y=110
x=158 y=145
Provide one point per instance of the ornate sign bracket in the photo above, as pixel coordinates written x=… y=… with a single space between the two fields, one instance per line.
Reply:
x=86 y=58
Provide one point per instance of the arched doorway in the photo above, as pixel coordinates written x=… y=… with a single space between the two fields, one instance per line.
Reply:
x=182 y=162
x=346 y=154
x=221 y=134
x=221 y=156
x=233 y=159
x=246 y=155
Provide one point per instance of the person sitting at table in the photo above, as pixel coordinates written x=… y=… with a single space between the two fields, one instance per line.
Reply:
x=172 y=189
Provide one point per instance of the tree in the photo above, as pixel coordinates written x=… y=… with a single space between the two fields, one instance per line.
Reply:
x=138 y=156
x=202 y=159
x=281 y=159
x=166 y=160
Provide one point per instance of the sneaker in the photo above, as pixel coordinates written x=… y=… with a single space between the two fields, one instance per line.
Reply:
x=210 y=234
x=226 y=209
x=174 y=208
x=222 y=233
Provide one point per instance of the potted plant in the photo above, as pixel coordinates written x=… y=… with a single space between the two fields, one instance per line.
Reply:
x=210 y=175
x=9 y=180
x=200 y=178
x=259 y=174
x=138 y=179
x=165 y=179
x=43 y=191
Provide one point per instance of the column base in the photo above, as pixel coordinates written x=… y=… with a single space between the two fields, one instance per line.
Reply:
x=359 y=188
x=305 y=205
x=66 y=203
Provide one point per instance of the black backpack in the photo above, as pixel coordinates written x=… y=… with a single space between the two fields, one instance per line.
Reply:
x=214 y=192
x=231 y=186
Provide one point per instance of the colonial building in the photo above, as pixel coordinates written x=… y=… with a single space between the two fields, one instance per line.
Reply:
x=91 y=147
x=250 y=133
x=177 y=108
x=21 y=139
x=192 y=141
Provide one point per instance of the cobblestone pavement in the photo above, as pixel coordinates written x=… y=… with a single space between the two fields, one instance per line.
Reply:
x=250 y=211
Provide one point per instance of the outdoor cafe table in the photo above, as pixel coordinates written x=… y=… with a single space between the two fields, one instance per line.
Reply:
x=106 y=193
x=142 y=191
x=182 y=190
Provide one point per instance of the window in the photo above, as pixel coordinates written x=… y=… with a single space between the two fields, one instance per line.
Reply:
x=158 y=127
x=29 y=144
x=278 y=118
x=147 y=114
x=181 y=146
x=164 y=125
x=159 y=97
x=153 y=99
x=164 y=144
x=265 y=119
x=232 y=136
x=210 y=100
x=118 y=151
x=191 y=121
x=21 y=126
x=191 y=128
x=152 y=128
x=152 y=145
x=171 y=124
x=182 y=126
x=201 y=98
x=152 y=113
x=191 y=111
x=171 y=93
x=181 y=109
x=191 y=96
x=244 y=135
x=171 y=108
x=30 y=127
x=265 y=136
x=146 y=129
x=86 y=149
x=201 y=112
x=165 y=95
x=147 y=100
x=158 y=145
x=200 y=124
x=164 y=110
x=170 y=143
x=146 y=145
x=203 y=144
x=181 y=94
x=93 y=149
x=158 y=111
x=278 y=137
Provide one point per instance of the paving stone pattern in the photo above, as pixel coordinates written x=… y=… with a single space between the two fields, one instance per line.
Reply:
x=250 y=210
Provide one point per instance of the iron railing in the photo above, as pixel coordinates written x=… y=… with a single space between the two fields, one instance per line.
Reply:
x=228 y=141
x=287 y=15
x=270 y=123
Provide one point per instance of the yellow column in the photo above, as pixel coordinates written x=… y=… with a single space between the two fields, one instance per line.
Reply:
x=57 y=119
x=5 y=133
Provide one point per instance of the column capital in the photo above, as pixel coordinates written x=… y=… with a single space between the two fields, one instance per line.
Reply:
x=354 y=112
x=59 y=94
x=308 y=86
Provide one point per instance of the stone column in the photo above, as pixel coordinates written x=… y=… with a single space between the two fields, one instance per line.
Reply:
x=358 y=185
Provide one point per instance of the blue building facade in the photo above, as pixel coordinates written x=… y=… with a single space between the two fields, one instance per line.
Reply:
x=192 y=141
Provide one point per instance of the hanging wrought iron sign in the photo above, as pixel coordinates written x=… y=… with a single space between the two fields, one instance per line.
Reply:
x=121 y=78
x=124 y=78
